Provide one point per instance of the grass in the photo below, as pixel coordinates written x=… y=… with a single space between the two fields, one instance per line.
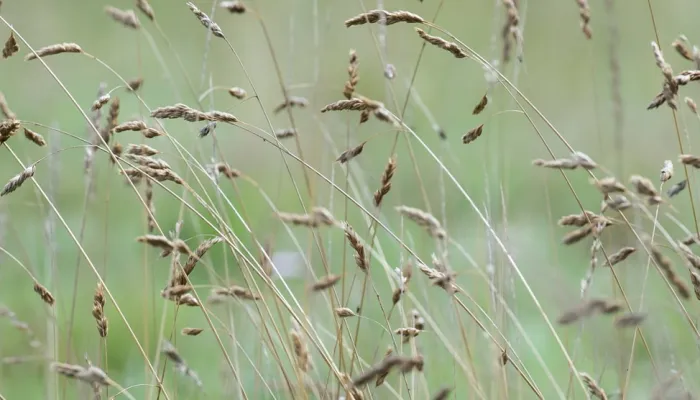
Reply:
x=421 y=202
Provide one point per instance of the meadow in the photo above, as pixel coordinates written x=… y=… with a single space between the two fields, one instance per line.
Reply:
x=313 y=199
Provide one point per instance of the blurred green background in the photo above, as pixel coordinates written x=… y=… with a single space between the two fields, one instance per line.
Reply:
x=566 y=76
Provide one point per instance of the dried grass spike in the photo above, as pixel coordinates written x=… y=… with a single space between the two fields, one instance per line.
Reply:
x=384 y=17
x=303 y=360
x=666 y=171
x=192 y=331
x=18 y=180
x=577 y=235
x=608 y=185
x=583 y=160
x=677 y=188
x=386 y=182
x=629 y=320
x=442 y=394
x=91 y=375
x=351 y=153
x=423 y=219
x=562 y=163
x=577 y=219
x=593 y=389
x=206 y=21
x=291 y=102
x=285 y=133
x=695 y=280
x=585 y=14
x=235 y=6
x=44 y=293
x=127 y=18
x=344 y=312
x=102 y=100
x=356 y=244
x=689 y=159
x=621 y=255
x=482 y=105
x=325 y=282
x=98 y=304
x=34 y=137
x=5 y=108
x=382 y=376
x=643 y=186
x=145 y=8
x=53 y=50
x=355 y=104
x=442 y=43
x=238 y=93
x=11 y=46
x=141 y=150
x=353 y=76
x=134 y=84
x=473 y=134
x=8 y=129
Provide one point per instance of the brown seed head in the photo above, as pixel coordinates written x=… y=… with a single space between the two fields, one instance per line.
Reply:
x=451 y=47
x=643 y=186
x=385 y=186
x=206 y=21
x=235 y=6
x=621 y=255
x=608 y=185
x=291 y=102
x=354 y=240
x=631 y=319
x=473 y=134
x=5 y=108
x=11 y=46
x=351 y=153
x=384 y=17
x=134 y=84
x=53 y=50
x=344 y=312
x=423 y=219
x=127 y=18
x=682 y=49
x=34 y=137
x=18 y=180
x=145 y=8
x=353 y=76
x=44 y=293
x=141 y=150
x=192 y=331
x=325 y=282
x=482 y=105
x=102 y=100
x=238 y=93
x=593 y=389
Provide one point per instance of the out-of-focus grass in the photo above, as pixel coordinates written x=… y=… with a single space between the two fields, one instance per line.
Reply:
x=567 y=77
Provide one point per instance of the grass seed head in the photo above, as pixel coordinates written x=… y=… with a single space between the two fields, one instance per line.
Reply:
x=127 y=18
x=34 y=137
x=18 y=180
x=384 y=17
x=44 y=293
x=206 y=21
x=11 y=46
x=54 y=49
x=473 y=134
